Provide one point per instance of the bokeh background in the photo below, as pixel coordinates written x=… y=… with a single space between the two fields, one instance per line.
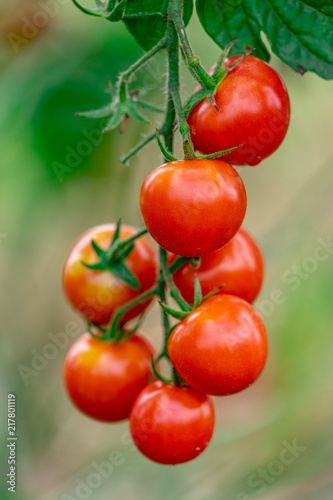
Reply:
x=55 y=184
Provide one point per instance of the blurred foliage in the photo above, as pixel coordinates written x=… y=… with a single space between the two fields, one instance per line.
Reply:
x=65 y=69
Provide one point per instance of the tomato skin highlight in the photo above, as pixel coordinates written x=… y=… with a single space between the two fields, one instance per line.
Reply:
x=97 y=294
x=193 y=207
x=254 y=111
x=171 y=425
x=103 y=379
x=221 y=347
x=238 y=266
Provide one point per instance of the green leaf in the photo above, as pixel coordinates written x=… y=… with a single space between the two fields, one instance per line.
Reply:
x=118 y=12
x=109 y=5
x=122 y=272
x=86 y=10
x=300 y=32
x=230 y=20
x=322 y=6
x=147 y=20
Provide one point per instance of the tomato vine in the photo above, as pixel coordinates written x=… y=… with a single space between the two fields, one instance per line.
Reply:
x=193 y=208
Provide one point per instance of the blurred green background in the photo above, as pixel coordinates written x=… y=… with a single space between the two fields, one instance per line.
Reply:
x=64 y=67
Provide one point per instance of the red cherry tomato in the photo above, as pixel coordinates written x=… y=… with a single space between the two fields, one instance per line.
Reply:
x=239 y=267
x=97 y=294
x=254 y=111
x=193 y=207
x=171 y=425
x=103 y=379
x=221 y=347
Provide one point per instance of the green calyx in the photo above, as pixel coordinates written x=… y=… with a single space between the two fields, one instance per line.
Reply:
x=198 y=300
x=119 y=112
x=113 y=259
x=218 y=76
x=169 y=157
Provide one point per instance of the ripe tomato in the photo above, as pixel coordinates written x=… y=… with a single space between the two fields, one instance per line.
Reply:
x=254 y=111
x=97 y=294
x=193 y=207
x=239 y=267
x=171 y=425
x=221 y=347
x=103 y=379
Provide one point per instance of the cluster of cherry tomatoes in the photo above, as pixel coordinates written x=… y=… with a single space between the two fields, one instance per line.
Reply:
x=194 y=209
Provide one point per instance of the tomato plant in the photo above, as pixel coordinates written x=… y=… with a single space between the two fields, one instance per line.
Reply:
x=171 y=425
x=238 y=268
x=193 y=207
x=103 y=379
x=255 y=112
x=98 y=293
x=221 y=347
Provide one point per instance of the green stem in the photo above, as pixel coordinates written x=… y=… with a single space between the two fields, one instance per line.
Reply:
x=173 y=60
x=125 y=76
x=124 y=159
x=166 y=154
x=178 y=263
x=165 y=317
x=176 y=379
x=166 y=130
x=192 y=61
x=167 y=276
x=113 y=332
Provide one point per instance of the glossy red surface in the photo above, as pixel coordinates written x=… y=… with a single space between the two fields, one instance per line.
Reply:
x=103 y=379
x=171 y=425
x=221 y=347
x=97 y=294
x=193 y=207
x=254 y=111
x=238 y=267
